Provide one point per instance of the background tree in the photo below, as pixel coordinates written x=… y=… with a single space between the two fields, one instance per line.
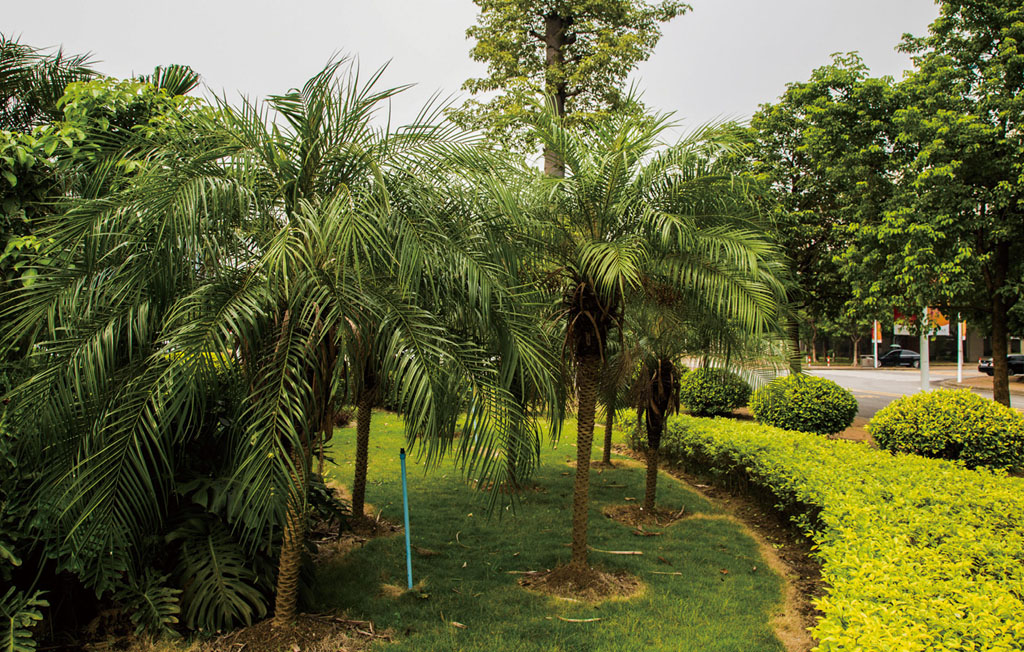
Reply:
x=578 y=52
x=951 y=238
x=823 y=154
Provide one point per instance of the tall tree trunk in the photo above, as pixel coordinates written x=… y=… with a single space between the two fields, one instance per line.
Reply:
x=609 y=423
x=586 y=391
x=651 y=488
x=856 y=351
x=364 y=412
x=290 y=563
x=814 y=343
x=555 y=40
x=1000 y=334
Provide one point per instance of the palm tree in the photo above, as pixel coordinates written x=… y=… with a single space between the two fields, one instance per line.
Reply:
x=634 y=213
x=262 y=239
x=32 y=81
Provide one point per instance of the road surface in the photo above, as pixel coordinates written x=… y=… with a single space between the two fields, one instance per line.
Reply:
x=876 y=388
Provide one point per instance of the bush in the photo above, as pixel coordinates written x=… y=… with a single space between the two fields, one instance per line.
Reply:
x=917 y=554
x=710 y=392
x=952 y=425
x=804 y=403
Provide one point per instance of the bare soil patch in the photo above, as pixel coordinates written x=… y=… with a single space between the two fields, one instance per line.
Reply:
x=591 y=585
x=638 y=517
x=309 y=633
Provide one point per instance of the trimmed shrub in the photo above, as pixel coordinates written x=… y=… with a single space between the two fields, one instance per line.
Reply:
x=710 y=392
x=952 y=425
x=917 y=554
x=804 y=403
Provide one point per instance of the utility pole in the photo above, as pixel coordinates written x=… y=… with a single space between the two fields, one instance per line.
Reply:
x=961 y=330
x=876 y=337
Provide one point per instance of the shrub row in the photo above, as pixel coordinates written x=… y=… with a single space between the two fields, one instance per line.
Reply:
x=918 y=554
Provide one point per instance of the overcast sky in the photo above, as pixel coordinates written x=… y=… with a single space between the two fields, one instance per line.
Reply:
x=721 y=60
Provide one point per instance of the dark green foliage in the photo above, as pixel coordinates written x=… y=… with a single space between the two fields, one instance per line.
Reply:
x=19 y=613
x=221 y=587
x=710 y=392
x=325 y=504
x=952 y=425
x=152 y=604
x=804 y=403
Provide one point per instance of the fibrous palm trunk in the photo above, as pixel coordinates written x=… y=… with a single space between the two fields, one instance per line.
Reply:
x=609 y=422
x=586 y=392
x=290 y=564
x=651 y=488
x=364 y=413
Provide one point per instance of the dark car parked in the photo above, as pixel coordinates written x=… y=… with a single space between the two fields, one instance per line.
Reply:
x=900 y=358
x=1015 y=362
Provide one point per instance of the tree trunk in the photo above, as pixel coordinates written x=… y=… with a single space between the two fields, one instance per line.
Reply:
x=554 y=60
x=364 y=413
x=1000 y=345
x=609 y=423
x=651 y=488
x=1000 y=336
x=586 y=391
x=856 y=351
x=290 y=564
x=814 y=343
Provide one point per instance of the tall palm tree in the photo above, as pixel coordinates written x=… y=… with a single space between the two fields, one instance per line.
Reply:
x=635 y=213
x=262 y=238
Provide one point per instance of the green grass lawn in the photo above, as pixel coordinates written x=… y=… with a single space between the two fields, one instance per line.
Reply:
x=467 y=580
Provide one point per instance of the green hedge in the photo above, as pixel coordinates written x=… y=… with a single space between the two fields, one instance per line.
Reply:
x=917 y=554
x=710 y=392
x=804 y=403
x=953 y=425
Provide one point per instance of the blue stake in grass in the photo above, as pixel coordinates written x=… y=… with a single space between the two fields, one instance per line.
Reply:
x=405 y=507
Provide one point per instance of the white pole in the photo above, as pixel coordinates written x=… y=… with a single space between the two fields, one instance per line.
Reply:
x=959 y=350
x=876 y=330
x=925 y=386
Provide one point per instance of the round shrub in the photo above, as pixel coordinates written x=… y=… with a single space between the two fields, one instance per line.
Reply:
x=804 y=403
x=952 y=425
x=709 y=392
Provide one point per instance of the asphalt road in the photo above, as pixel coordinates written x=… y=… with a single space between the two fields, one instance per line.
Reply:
x=876 y=388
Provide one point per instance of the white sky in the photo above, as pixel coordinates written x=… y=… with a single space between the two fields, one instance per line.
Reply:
x=721 y=60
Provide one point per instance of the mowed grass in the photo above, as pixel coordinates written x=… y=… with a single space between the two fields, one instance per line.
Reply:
x=724 y=599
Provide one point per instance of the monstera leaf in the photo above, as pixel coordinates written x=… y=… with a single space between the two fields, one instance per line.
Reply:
x=220 y=585
x=18 y=615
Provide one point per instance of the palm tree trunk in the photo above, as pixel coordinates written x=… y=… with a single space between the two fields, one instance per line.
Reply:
x=586 y=391
x=363 y=415
x=651 y=489
x=609 y=422
x=287 y=594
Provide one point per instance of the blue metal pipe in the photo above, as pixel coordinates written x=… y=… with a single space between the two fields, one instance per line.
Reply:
x=405 y=507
